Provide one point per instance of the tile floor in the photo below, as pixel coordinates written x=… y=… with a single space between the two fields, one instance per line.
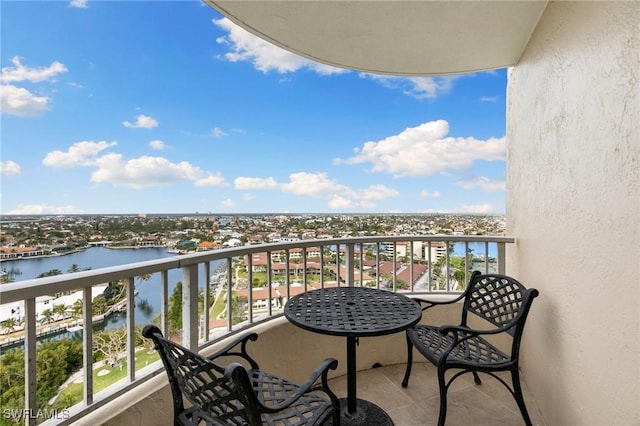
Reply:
x=487 y=404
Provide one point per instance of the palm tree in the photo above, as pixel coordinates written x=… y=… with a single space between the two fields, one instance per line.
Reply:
x=76 y=308
x=99 y=305
x=9 y=325
x=59 y=311
x=46 y=316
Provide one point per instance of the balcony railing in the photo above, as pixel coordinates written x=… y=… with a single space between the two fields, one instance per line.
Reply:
x=261 y=279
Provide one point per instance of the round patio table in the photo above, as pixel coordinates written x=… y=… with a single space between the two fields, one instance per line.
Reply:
x=354 y=312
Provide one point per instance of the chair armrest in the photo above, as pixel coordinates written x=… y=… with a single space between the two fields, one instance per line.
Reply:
x=321 y=371
x=446 y=329
x=242 y=352
x=432 y=303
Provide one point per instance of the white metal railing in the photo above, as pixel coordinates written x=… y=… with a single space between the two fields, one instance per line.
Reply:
x=339 y=261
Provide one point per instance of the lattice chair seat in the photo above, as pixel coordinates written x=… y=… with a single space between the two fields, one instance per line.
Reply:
x=239 y=393
x=473 y=350
x=501 y=301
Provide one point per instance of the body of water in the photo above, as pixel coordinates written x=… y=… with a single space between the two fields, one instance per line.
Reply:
x=148 y=296
x=477 y=249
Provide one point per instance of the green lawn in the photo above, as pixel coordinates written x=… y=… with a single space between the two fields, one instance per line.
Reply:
x=101 y=380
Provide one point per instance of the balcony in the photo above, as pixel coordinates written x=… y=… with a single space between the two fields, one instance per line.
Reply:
x=422 y=265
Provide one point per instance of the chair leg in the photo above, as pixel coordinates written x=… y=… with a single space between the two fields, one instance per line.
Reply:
x=407 y=372
x=476 y=378
x=443 y=397
x=517 y=393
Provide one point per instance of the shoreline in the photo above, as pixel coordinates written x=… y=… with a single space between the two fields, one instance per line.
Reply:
x=78 y=250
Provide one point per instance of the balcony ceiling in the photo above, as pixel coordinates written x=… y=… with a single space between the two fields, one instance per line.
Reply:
x=394 y=37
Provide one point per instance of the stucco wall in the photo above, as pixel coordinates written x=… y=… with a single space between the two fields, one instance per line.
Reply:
x=572 y=204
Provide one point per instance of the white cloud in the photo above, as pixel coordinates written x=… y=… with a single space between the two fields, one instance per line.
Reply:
x=484 y=183
x=263 y=55
x=340 y=203
x=244 y=183
x=489 y=99
x=9 y=168
x=340 y=196
x=432 y=194
x=83 y=4
x=228 y=203
x=319 y=185
x=21 y=102
x=485 y=208
x=312 y=184
x=425 y=150
x=45 y=209
x=79 y=154
x=416 y=87
x=157 y=145
x=145 y=171
x=208 y=179
x=21 y=73
x=377 y=192
x=142 y=121
x=248 y=197
x=217 y=132
x=136 y=173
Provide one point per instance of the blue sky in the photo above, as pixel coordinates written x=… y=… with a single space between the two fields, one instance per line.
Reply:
x=167 y=107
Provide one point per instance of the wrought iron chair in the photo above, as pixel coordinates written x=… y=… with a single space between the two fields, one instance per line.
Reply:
x=239 y=393
x=498 y=299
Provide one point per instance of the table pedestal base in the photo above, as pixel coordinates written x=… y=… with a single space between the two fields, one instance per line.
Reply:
x=367 y=414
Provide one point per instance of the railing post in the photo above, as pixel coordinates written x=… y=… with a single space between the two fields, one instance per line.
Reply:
x=411 y=260
x=250 y=286
x=164 y=302
x=30 y=403
x=269 y=277
x=287 y=280
x=229 y=293
x=131 y=328
x=349 y=264
x=190 y=307
x=207 y=291
x=501 y=258
x=321 y=266
x=87 y=345
x=378 y=265
x=395 y=266
x=304 y=268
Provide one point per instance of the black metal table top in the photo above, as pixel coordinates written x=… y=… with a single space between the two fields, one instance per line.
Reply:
x=352 y=311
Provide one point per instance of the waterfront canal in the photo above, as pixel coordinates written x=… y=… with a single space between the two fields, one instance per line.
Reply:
x=148 y=294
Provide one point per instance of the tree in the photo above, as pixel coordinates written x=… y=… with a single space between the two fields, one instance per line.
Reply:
x=175 y=308
x=46 y=316
x=56 y=360
x=9 y=325
x=99 y=305
x=50 y=273
x=12 y=379
x=238 y=309
x=111 y=343
x=76 y=309
x=59 y=311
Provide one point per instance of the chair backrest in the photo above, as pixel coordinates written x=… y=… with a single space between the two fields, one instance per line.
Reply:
x=500 y=300
x=223 y=392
